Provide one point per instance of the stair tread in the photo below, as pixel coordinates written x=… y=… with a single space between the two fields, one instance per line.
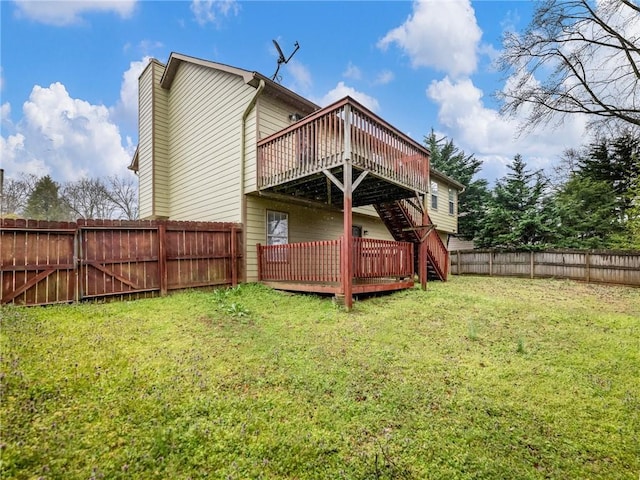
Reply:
x=396 y=219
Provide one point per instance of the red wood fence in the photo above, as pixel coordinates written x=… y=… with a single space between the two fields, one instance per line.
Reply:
x=58 y=262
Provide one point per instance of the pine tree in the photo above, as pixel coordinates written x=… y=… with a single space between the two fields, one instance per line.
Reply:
x=518 y=215
x=45 y=202
x=585 y=209
x=597 y=204
x=448 y=159
x=617 y=162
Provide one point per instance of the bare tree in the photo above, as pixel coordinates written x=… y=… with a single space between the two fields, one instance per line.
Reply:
x=576 y=56
x=88 y=198
x=16 y=193
x=123 y=192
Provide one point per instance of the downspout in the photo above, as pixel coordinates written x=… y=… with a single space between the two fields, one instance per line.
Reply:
x=243 y=154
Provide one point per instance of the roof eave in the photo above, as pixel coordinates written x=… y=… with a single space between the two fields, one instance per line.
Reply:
x=134 y=161
x=176 y=58
x=436 y=173
x=251 y=78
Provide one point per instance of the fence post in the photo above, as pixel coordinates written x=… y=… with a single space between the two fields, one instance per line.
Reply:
x=490 y=263
x=162 y=257
x=531 y=261
x=81 y=254
x=76 y=264
x=458 y=257
x=234 y=259
x=587 y=261
x=259 y=249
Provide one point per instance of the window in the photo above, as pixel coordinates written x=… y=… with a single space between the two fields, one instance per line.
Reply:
x=277 y=228
x=356 y=231
x=434 y=195
x=452 y=202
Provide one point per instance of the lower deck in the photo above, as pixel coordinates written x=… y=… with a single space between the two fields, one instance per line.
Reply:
x=358 y=288
x=378 y=266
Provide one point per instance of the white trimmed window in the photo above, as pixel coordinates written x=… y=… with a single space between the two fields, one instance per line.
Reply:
x=434 y=196
x=277 y=228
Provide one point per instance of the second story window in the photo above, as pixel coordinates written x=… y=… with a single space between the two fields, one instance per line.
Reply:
x=452 y=202
x=434 y=195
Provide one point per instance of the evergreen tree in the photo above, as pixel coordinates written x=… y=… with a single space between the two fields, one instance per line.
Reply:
x=584 y=208
x=448 y=159
x=597 y=205
x=617 y=162
x=45 y=202
x=518 y=215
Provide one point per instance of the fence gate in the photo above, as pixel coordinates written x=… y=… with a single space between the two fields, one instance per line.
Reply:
x=59 y=262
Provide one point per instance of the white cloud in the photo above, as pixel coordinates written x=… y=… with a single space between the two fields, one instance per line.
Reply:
x=353 y=72
x=17 y=160
x=302 y=80
x=384 y=77
x=70 y=12
x=5 y=112
x=126 y=110
x=439 y=34
x=341 y=90
x=210 y=11
x=146 y=47
x=64 y=137
x=496 y=139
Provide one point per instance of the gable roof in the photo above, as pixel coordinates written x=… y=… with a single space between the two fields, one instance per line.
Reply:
x=250 y=78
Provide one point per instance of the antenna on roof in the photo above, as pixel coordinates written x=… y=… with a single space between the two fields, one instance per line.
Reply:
x=282 y=59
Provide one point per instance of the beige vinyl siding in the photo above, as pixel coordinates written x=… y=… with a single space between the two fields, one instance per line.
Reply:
x=250 y=152
x=145 y=142
x=205 y=111
x=366 y=210
x=161 y=145
x=306 y=224
x=272 y=115
x=440 y=217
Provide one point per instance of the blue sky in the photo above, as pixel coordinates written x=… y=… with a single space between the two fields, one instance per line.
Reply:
x=69 y=71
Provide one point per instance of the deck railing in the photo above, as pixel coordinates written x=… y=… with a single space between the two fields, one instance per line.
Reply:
x=382 y=258
x=315 y=262
x=344 y=130
x=435 y=247
x=319 y=262
x=438 y=253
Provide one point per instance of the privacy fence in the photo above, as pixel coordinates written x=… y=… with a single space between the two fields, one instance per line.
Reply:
x=58 y=262
x=599 y=266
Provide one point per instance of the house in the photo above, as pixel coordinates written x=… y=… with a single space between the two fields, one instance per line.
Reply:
x=331 y=199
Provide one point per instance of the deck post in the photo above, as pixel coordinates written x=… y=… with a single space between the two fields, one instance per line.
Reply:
x=347 y=244
x=422 y=254
x=422 y=251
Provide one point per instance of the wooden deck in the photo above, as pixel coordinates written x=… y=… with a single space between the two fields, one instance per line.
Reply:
x=303 y=158
x=345 y=156
x=378 y=265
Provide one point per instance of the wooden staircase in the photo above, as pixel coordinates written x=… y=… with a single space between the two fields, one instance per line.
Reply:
x=403 y=215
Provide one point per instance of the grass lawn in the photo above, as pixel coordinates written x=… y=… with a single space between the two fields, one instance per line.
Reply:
x=475 y=378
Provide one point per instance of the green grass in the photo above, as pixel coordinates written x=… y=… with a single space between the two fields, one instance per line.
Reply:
x=474 y=378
